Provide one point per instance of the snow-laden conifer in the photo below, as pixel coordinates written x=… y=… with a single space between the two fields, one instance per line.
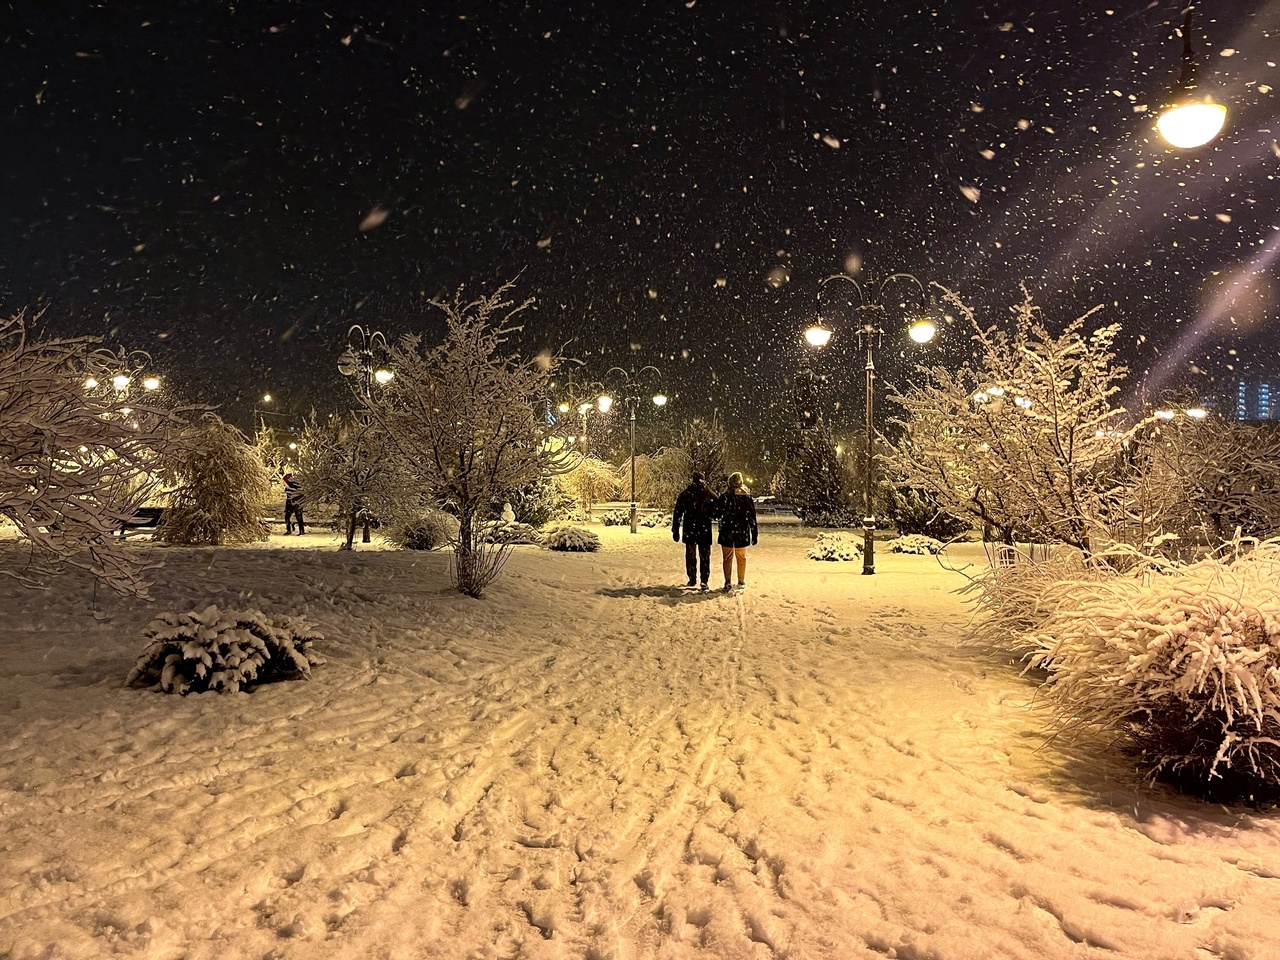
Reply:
x=566 y=536
x=219 y=487
x=225 y=651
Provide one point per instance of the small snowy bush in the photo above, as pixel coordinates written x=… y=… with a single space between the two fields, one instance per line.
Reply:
x=833 y=546
x=426 y=531
x=655 y=520
x=1185 y=664
x=212 y=650
x=565 y=536
x=509 y=531
x=616 y=518
x=916 y=543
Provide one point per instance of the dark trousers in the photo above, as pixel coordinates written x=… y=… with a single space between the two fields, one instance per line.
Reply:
x=292 y=510
x=697 y=559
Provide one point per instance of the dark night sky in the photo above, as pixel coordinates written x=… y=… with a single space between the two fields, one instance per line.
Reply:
x=669 y=179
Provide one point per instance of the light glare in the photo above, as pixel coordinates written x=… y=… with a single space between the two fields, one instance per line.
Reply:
x=1192 y=124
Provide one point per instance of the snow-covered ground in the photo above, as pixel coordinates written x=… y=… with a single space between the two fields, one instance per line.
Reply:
x=588 y=763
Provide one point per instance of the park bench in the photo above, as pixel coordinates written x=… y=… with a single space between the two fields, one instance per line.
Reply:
x=144 y=518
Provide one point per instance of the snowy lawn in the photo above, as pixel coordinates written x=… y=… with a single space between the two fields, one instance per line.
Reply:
x=588 y=763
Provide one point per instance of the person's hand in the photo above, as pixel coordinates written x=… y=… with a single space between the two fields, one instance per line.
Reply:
x=675 y=536
x=753 y=541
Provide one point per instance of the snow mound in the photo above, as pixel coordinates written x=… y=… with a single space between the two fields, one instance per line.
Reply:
x=509 y=531
x=834 y=546
x=212 y=650
x=565 y=536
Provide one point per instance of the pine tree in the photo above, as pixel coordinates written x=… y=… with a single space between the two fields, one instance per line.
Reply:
x=816 y=479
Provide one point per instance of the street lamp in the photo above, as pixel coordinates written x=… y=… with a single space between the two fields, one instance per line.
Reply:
x=870 y=332
x=1190 y=121
x=360 y=360
x=632 y=393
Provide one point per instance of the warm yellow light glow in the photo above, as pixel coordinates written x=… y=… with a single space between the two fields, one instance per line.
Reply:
x=293 y=446
x=659 y=399
x=91 y=384
x=583 y=408
x=1190 y=125
x=604 y=403
x=818 y=335
x=266 y=398
x=151 y=383
x=120 y=381
x=563 y=408
x=1164 y=414
x=1023 y=402
x=922 y=331
x=1197 y=413
x=383 y=376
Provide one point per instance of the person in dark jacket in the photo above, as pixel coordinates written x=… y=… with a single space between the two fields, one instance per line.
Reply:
x=694 y=510
x=293 y=497
x=738 y=530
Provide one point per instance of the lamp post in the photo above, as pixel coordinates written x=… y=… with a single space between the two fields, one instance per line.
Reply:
x=360 y=360
x=870 y=333
x=632 y=393
x=1190 y=121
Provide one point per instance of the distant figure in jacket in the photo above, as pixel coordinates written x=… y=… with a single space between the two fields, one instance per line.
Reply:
x=694 y=510
x=738 y=530
x=293 y=497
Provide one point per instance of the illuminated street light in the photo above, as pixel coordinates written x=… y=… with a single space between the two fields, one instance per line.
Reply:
x=151 y=383
x=632 y=393
x=1197 y=413
x=1190 y=120
x=266 y=398
x=383 y=376
x=91 y=384
x=120 y=382
x=604 y=404
x=870 y=333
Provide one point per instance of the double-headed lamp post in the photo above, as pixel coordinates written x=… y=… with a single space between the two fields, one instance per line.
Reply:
x=632 y=390
x=360 y=359
x=870 y=332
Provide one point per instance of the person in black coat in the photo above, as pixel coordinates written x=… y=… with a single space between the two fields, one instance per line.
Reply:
x=738 y=530
x=695 y=509
x=293 y=497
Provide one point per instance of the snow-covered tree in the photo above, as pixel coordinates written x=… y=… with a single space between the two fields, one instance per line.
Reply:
x=464 y=416
x=589 y=482
x=77 y=455
x=220 y=487
x=349 y=465
x=816 y=479
x=1022 y=438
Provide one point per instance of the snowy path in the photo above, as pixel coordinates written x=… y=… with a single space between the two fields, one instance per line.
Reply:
x=587 y=764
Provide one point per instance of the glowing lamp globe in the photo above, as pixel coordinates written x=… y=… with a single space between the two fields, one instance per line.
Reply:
x=1189 y=125
x=120 y=381
x=922 y=331
x=151 y=383
x=604 y=403
x=383 y=376
x=1197 y=413
x=659 y=399
x=91 y=384
x=818 y=335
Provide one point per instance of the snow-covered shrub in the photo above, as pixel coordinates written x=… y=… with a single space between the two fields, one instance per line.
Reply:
x=616 y=518
x=917 y=511
x=509 y=531
x=655 y=520
x=834 y=546
x=539 y=502
x=565 y=536
x=1184 y=664
x=214 y=650
x=836 y=518
x=916 y=543
x=1014 y=600
x=427 y=530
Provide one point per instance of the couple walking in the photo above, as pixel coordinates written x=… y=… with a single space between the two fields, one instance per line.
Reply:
x=695 y=508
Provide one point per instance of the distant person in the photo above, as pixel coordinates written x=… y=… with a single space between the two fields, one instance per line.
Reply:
x=738 y=530
x=694 y=510
x=293 y=498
